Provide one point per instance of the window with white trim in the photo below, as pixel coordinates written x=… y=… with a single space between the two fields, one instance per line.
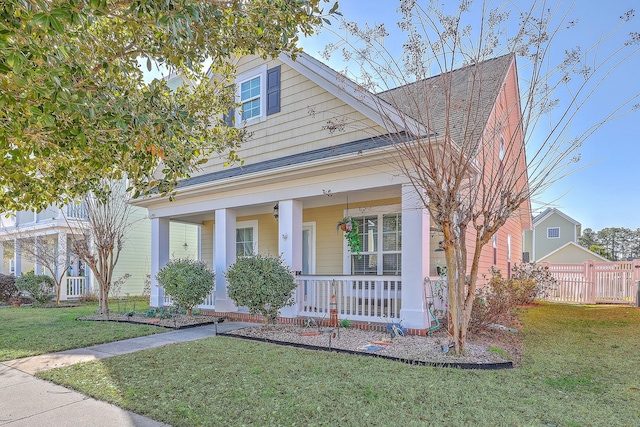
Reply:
x=250 y=92
x=381 y=239
x=508 y=256
x=250 y=97
x=494 y=245
x=553 y=232
x=258 y=92
x=246 y=238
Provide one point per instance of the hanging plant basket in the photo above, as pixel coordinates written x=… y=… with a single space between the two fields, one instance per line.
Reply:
x=350 y=228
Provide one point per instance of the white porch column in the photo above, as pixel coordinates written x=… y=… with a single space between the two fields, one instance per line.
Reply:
x=62 y=259
x=415 y=259
x=37 y=268
x=159 y=257
x=17 y=258
x=2 y=258
x=224 y=255
x=92 y=286
x=290 y=242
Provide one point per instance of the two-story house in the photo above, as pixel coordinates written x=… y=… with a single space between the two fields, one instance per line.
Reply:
x=554 y=239
x=42 y=242
x=318 y=153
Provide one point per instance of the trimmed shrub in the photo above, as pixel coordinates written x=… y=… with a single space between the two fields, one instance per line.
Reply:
x=187 y=281
x=40 y=287
x=8 y=290
x=263 y=284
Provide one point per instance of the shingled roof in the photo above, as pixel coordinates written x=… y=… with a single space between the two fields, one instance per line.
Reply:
x=464 y=97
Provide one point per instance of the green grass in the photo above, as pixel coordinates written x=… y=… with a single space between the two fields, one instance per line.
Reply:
x=27 y=331
x=580 y=368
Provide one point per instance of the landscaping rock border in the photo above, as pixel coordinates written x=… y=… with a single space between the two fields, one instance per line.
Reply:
x=458 y=365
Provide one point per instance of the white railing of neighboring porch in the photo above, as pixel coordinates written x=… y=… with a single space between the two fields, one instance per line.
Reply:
x=364 y=298
x=75 y=286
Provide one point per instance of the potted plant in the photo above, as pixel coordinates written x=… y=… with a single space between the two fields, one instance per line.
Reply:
x=350 y=228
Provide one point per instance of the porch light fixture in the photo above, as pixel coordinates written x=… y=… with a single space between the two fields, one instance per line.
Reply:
x=185 y=246
x=276 y=211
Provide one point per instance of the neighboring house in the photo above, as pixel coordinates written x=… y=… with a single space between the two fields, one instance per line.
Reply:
x=571 y=253
x=552 y=230
x=57 y=225
x=317 y=154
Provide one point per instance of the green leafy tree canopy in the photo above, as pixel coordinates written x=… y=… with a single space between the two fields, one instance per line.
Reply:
x=74 y=106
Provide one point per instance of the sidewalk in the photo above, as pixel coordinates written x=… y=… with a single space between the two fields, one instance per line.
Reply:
x=28 y=401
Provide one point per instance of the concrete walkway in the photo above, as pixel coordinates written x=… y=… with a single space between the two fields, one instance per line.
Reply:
x=27 y=401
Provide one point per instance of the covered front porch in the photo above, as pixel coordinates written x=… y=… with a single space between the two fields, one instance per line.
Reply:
x=42 y=243
x=385 y=283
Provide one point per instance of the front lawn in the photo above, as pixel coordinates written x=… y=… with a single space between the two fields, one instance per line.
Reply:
x=28 y=331
x=580 y=368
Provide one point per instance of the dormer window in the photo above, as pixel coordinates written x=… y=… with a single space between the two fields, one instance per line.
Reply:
x=250 y=97
x=258 y=92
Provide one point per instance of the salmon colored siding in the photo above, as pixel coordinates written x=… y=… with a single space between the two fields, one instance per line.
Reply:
x=505 y=120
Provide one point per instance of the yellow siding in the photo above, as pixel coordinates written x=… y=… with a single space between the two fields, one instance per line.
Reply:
x=207 y=243
x=570 y=255
x=135 y=257
x=328 y=242
x=305 y=109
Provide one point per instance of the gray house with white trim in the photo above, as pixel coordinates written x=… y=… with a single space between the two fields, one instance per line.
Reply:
x=552 y=230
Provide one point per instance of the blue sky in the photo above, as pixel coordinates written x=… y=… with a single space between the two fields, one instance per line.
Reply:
x=605 y=191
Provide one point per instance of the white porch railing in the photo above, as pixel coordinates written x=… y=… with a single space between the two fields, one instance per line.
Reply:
x=76 y=286
x=208 y=303
x=77 y=211
x=364 y=298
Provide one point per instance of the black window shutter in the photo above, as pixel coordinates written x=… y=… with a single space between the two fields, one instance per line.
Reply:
x=273 y=90
x=229 y=118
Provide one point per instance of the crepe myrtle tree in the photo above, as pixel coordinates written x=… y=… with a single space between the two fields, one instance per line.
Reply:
x=474 y=174
x=102 y=236
x=262 y=283
x=187 y=281
x=76 y=107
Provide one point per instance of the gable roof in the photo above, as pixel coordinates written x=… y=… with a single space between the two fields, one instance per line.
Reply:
x=468 y=93
x=576 y=246
x=461 y=81
x=551 y=211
